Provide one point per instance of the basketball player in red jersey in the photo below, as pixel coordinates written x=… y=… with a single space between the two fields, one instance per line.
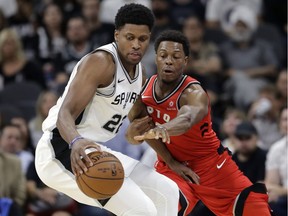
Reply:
x=180 y=109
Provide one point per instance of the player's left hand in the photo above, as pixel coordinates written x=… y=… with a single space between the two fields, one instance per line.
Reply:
x=184 y=171
x=158 y=132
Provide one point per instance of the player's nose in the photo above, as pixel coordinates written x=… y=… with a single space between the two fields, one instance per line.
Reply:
x=168 y=60
x=136 y=44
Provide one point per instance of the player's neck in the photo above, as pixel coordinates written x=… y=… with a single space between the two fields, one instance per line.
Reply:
x=130 y=68
x=164 y=88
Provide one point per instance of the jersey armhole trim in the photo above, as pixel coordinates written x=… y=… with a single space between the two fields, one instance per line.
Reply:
x=115 y=74
x=187 y=85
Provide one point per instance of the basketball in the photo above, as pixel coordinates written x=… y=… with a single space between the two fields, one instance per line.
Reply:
x=104 y=178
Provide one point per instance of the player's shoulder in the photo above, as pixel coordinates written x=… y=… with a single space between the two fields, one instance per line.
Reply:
x=193 y=91
x=101 y=61
x=193 y=85
x=101 y=56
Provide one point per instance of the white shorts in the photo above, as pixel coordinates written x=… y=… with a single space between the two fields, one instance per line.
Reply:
x=144 y=191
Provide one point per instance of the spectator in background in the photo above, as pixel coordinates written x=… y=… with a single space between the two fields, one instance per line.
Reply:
x=11 y=142
x=218 y=11
x=45 y=101
x=250 y=63
x=14 y=67
x=276 y=170
x=21 y=122
x=264 y=113
x=51 y=41
x=70 y=7
x=281 y=85
x=45 y=201
x=100 y=33
x=232 y=118
x=24 y=22
x=204 y=63
x=248 y=156
x=12 y=183
x=78 y=45
x=184 y=8
x=3 y=21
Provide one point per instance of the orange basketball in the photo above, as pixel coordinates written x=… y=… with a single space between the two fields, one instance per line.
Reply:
x=104 y=178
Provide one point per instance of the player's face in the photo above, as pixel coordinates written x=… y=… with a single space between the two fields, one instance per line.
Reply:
x=170 y=61
x=132 y=41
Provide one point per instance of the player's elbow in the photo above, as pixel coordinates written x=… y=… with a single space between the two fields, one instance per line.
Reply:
x=187 y=122
x=197 y=115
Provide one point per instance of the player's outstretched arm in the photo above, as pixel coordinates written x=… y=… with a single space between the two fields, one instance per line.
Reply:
x=141 y=122
x=193 y=108
x=96 y=70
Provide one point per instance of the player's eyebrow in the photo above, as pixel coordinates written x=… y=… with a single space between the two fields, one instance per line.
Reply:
x=131 y=34
x=175 y=50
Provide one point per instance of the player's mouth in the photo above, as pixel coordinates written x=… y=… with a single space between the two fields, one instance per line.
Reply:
x=135 y=55
x=168 y=70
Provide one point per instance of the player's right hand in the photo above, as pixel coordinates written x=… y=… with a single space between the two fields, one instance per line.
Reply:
x=79 y=159
x=184 y=171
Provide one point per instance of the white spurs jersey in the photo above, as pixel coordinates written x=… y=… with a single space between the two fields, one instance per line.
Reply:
x=109 y=106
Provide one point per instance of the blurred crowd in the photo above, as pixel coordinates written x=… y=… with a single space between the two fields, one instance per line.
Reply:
x=238 y=51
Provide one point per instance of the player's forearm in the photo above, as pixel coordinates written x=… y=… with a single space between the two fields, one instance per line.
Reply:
x=185 y=120
x=160 y=148
x=66 y=126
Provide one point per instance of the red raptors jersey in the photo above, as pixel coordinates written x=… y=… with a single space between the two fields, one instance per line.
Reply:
x=196 y=143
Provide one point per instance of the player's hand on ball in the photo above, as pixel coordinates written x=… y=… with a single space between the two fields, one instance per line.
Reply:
x=184 y=171
x=155 y=133
x=78 y=153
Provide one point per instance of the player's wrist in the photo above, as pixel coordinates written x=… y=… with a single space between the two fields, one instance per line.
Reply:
x=79 y=137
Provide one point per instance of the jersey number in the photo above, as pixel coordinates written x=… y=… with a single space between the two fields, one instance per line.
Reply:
x=114 y=124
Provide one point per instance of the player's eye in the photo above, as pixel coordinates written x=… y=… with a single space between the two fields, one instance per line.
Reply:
x=130 y=38
x=143 y=39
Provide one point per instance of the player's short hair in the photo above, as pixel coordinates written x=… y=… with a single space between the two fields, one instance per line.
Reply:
x=134 y=14
x=175 y=36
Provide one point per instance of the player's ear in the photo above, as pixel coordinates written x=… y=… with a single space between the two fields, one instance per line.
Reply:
x=186 y=61
x=155 y=58
x=116 y=35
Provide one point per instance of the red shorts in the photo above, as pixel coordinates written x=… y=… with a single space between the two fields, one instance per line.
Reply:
x=220 y=183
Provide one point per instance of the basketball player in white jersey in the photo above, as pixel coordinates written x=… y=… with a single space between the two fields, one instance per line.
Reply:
x=102 y=88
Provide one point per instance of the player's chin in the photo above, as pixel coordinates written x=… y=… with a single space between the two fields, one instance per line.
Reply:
x=168 y=80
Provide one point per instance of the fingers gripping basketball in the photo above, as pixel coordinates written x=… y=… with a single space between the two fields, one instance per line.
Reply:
x=104 y=178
